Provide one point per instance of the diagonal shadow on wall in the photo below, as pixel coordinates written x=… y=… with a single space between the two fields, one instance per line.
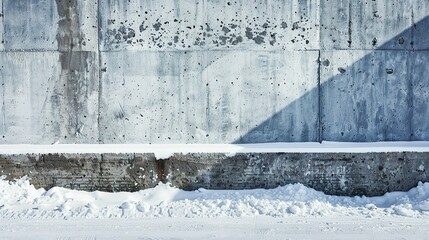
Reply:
x=371 y=95
x=365 y=95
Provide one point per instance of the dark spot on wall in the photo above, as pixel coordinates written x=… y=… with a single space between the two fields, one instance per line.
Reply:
x=374 y=41
x=259 y=40
x=223 y=40
x=341 y=70
x=157 y=26
x=284 y=25
x=131 y=33
x=208 y=28
x=233 y=26
x=389 y=70
x=142 y=27
x=226 y=30
x=375 y=14
x=249 y=33
x=326 y=62
x=122 y=30
x=295 y=26
x=237 y=40
x=273 y=39
x=176 y=39
x=401 y=40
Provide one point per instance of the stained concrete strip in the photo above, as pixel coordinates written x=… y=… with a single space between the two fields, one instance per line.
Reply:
x=334 y=168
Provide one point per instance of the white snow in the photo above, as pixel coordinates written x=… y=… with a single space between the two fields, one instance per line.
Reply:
x=166 y=150
x=19 y=199
x=164 y=212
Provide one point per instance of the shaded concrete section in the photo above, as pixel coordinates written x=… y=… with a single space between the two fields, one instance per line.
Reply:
x=420 y=94
x=367 y=100
x=333 y=173
x=420 y=32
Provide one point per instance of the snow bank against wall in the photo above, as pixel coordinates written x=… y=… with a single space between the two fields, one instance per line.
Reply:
x=20 y=200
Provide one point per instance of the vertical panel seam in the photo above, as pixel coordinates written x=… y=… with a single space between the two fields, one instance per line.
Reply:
x=319 y=110
x=99 y=71
x=3 y=27
x=319 y=105
x=410 y=99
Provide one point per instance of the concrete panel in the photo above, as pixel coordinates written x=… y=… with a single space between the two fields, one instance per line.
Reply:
x=208 y=24
x=365 y=24
x=365 y=96
x=420 y=21
x=47 y=102
x=50 y=25
x=208 y=97
x=154 y=97
x=419 y=74
x=270 y=96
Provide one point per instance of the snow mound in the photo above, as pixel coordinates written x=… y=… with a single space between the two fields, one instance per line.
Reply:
x=20 y=199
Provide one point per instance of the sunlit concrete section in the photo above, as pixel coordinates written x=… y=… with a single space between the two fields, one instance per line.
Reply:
x=207 y=96
x=206 y=24
x=43 y=104
x=32 y=25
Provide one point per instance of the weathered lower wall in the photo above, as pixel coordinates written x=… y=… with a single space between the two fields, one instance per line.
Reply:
x=333 y=173
x=213 y=71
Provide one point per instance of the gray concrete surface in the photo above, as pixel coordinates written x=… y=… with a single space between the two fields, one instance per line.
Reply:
x=350 y=174
x=210 y=71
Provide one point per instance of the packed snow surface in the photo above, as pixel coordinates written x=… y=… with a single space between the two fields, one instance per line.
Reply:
x=21 y=200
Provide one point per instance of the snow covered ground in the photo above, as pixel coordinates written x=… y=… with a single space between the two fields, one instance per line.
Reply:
x=289 y=212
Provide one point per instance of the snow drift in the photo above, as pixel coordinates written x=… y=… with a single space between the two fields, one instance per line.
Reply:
x=20 y=199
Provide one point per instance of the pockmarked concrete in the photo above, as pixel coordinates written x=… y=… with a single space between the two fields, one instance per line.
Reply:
x=161 y=71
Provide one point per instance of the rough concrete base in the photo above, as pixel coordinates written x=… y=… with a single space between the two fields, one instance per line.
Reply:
x=350 y=174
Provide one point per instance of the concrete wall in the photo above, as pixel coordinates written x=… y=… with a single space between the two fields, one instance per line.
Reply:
x=213 y=71
x=333 y=173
